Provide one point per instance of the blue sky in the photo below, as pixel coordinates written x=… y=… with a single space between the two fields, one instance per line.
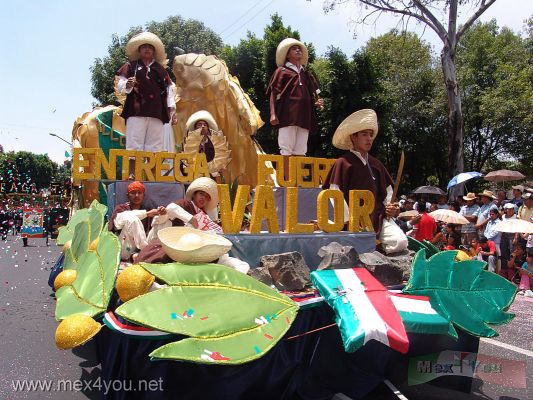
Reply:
x=49 y=46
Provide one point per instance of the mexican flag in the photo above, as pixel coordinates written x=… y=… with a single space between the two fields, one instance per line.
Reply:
x=418 y=315
x=363 y=307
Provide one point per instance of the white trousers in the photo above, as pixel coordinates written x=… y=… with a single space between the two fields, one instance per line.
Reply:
x=132 y=236
x=392 y=237
x=144 y=133
x=292 y=140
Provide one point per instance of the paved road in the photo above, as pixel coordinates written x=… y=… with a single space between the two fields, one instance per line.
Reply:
x=28 y=351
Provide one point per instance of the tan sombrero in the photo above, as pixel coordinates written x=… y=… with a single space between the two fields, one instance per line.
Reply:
x=283 y=49
x=209 y=186
x=358 y=121
x=487 y=193
x=470 y=196
x=201 y=115
x=189 y=245
x=132 y=48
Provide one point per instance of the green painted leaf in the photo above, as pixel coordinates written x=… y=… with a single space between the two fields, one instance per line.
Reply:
x=232 y=349
x=213 y=274
x=69 y=303
x=96 y=223
x=462 y=292
x=79 y=246
x=217 y=310
x=431 y=248
x=96 y=272
x=414 y=244
x=67 y=232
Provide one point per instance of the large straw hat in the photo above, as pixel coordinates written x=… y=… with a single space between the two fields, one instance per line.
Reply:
x=189 y=245
x=283 y=49
x=209 y=186
x=470 y=196
x=132 y=48
x=201 y=115
x=358 y=121
x=487 y=193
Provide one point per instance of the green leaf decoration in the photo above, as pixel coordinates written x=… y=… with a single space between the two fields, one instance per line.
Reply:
x=431 y=248
x=79 y=246
x=207 y=302
x=90 y=292
x=95 y=215
x=414 y=244
x=462 y=292
x=67 y=232
x=231 y=349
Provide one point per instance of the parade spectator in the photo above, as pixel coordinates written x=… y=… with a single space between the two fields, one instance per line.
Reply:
x=501 y=199
x=357 y=169
x=426 y=228
x=441 y=238
x=487 y=204
x=131 y=221
x=526 y=274
x=470 y=211
x=517 y=259
x=486 y=251
x=525 y=212
x=409 y=204
x=150 y=94
x=293 y=94
x=518 y=190
x=506 y=242
x=454 y=205
x=452 y=242
x=492 y=234
x=442 y=203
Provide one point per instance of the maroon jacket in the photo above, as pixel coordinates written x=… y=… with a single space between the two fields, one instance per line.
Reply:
x=292 y=102
x=149 y=96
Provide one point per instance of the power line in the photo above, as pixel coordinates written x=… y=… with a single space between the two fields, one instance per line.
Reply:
x=253 y=16
x=240 y=18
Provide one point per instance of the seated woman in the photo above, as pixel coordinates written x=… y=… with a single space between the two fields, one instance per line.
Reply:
x=199 y=210
x=131 y=221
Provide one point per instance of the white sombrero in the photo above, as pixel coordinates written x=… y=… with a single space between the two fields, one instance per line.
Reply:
x=283 y=49
x=132 y=48
x=189 y=245
x=209 y=186
x=358 y=121
x=201 y=115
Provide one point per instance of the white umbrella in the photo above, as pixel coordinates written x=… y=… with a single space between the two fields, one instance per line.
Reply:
x=449 y=216
x=514 y=226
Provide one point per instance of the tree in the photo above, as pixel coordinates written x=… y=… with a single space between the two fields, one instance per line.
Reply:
x=411 y=116
x=426 y=12
x=176 y=33
x=497 y=90
x=25 y=172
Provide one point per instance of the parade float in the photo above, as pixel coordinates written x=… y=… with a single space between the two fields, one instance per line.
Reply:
x=209 y=331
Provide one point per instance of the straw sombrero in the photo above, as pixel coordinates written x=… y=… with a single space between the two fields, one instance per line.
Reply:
x=470 y=196
x=283 y=49
x=189 y=245
x=356 y=122
x=487 y=193
x=132 y=48
x=201 y=115
x=209 y=186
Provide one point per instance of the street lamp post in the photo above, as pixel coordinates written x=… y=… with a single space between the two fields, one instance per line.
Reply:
x=60 y=138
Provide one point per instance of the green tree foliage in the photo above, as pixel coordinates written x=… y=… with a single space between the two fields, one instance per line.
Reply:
x=27 y=171
x=496 y=70
x=175 y=32
x=412 y=113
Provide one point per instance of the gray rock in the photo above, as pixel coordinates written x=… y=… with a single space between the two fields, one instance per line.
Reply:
x=383 y=268
x=288 y=270
x=403 y=260
x=261 y=274
x=337 y=256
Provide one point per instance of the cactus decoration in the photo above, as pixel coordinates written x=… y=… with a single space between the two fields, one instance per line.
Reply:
x=462 y=292
x=230 y=318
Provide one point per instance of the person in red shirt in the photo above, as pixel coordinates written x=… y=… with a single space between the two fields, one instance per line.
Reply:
x=486 y=251
x=426 y=228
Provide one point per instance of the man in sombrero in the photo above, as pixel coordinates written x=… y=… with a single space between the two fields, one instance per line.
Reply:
x=293 y=94
x=358 y=170
x=150 y=93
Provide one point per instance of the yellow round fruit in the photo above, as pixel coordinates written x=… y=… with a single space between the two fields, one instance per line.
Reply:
x=65 y=278
x=133 y=282
x=75 y=330
x=94 y=244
